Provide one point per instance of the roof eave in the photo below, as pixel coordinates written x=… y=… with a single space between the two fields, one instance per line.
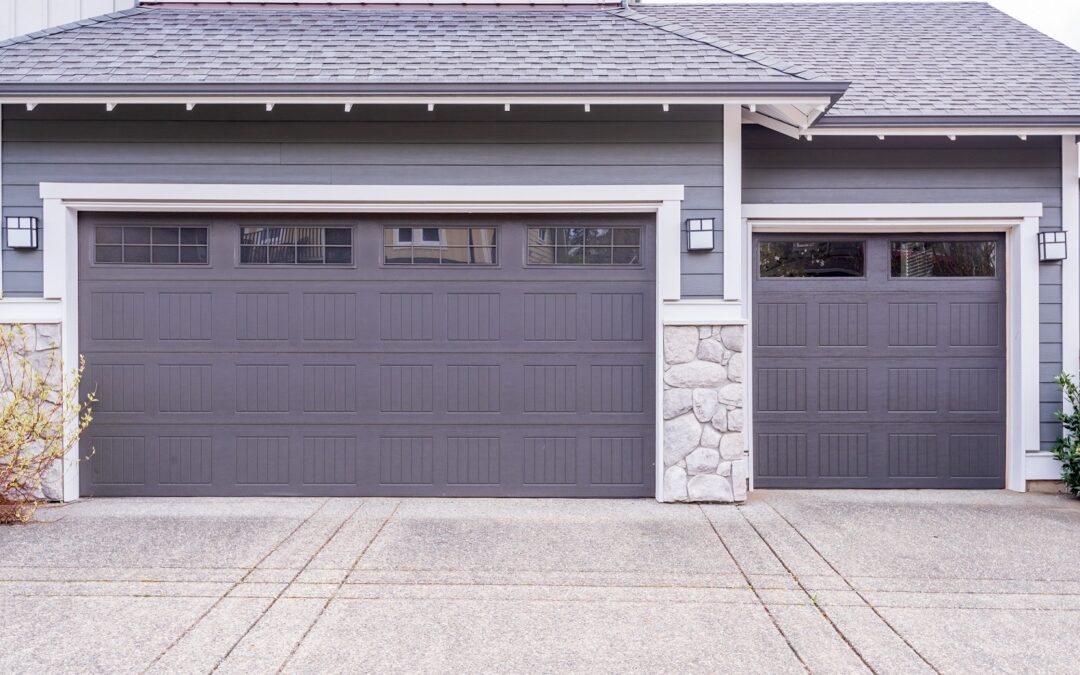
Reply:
x=950 y=121
x=360 y=90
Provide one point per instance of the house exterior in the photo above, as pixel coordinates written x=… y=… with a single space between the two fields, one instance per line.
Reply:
x=567 y=250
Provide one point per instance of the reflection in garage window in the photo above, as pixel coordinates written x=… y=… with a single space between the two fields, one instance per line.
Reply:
x=816 y=259
x=142 y=245
x=943 y=258
x=439 y=246
x=295 y=245
x=584 y=246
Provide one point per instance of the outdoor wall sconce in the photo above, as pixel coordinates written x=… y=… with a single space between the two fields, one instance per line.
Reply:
x=700 y=235
x=22 y=232
x=1052 y=247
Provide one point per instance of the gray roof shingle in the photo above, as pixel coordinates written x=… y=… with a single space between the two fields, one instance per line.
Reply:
x=173 y=45
x=905 y=59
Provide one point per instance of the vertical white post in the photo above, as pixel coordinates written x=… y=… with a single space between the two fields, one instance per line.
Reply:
x=668 y=254
x=1070 y=268
x=1023 y=350
x=69 y=330
x=733 y=220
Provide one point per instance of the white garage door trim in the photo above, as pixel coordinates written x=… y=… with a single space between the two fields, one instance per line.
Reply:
x=64 y=201
x=1020 y=222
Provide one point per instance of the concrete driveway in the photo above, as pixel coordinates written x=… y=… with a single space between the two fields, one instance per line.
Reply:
x=887 y=582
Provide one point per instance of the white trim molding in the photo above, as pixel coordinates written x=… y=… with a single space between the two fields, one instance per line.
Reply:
x=1070 y=267
x=1020 y=223
x=64 y=201
x=733 y=222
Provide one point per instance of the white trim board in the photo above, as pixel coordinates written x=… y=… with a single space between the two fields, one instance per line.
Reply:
x=1020 y=222
x=64 y=201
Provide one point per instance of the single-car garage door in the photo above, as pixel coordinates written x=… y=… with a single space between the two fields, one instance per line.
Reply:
x=368 y=355
x=879 y=361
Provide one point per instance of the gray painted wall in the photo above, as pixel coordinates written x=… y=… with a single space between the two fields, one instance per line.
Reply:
x=853 y=170
x=325 y=145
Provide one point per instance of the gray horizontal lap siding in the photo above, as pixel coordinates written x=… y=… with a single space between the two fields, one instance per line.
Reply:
x=323 y=145
x=912 y=170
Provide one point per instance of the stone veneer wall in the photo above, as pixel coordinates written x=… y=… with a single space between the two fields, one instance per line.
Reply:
x=42 y=342
x=704 y=451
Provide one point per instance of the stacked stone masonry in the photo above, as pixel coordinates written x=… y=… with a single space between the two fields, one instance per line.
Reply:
x=704 y=450
x=41 y=344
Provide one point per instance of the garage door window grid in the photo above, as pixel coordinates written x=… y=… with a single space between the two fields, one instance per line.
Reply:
x=142 y=245
x=274 y=245
x=605 y=246
x=439 y=246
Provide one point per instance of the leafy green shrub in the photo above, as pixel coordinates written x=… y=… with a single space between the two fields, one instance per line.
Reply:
x=1067 y=448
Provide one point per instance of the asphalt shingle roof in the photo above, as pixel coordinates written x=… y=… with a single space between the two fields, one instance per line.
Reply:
x=326 y=45
x=925 y=59
x=903 y=58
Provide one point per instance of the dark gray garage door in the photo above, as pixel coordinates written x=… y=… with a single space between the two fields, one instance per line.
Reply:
x=368 y=355
x=879 y=361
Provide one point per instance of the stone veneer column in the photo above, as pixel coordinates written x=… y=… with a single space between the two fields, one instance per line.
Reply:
x=42 y=343
x=704 y=451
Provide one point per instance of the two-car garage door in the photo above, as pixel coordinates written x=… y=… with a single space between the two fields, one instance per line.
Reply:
x=370 y=355
x=879 y=361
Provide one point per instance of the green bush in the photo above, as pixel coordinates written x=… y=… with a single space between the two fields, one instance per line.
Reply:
x=1067 y=448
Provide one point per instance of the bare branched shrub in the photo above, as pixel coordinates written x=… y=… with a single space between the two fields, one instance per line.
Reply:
x=41 y=418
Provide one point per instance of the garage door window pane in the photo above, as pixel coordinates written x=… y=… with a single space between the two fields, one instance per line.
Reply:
x=602 y=246
x=811 y=259
x=138 y=245
x=295 y=245
x=439 y=246
x=936 y=259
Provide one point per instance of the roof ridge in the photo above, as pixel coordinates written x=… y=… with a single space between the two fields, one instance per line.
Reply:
x=754 y=55
x=63 y=28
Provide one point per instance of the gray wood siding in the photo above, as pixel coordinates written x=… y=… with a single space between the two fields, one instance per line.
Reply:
x=324 y=145
x=863 y=170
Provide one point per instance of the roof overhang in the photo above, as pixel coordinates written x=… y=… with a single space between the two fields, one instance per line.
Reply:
x=797 y=103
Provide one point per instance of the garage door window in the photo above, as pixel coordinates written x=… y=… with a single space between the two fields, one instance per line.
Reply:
x=439 y=246
x=137 y=245
x=295 y=245
x=935 y=259
x=584 y=246
x=811 y=259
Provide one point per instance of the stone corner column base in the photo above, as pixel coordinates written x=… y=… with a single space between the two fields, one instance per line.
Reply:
x=704 y=451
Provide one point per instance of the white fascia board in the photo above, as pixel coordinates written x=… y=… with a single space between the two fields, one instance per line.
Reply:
x=334 y=195
x=940 y=131
x=891 y=212
x=437 y=99
x=770 y=123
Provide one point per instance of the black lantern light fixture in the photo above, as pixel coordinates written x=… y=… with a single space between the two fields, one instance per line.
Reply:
x=22 y=232
x=700 y=234
x=1052 y=247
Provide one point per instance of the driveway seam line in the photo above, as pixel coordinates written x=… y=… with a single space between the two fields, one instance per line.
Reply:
x=289 y=583
x=341 y=583
x=750 y=584
x=813 y=601
x=852 y=587
x=236 y=583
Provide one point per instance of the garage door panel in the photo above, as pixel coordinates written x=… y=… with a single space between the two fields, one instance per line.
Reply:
x=879 y=381
x=387 y=459
x=369 y=379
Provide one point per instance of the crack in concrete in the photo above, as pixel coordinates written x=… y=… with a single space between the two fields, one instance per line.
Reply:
x=761 y=601
x=273 y=549
x=813 y=600
x=288 y=584
x=849 y=585
x=341 y=583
